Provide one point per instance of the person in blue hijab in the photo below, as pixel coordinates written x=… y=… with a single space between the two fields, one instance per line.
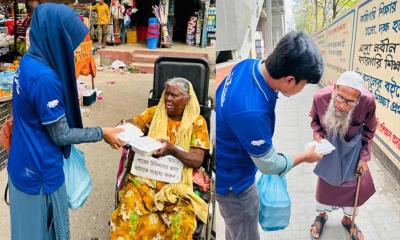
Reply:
x=47 y=121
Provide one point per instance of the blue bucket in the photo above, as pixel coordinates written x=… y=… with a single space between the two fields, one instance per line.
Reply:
x=153 y=21
x=152 y=43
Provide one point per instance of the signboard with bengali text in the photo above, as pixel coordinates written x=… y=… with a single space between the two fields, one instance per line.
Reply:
x=335 y=44
x=377 y=58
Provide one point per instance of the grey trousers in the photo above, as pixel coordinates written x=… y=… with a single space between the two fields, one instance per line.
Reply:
x=39 y=217
x=103 y=31
x=240 y=213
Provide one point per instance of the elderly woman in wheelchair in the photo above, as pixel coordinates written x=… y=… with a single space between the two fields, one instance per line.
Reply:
x=150 y=209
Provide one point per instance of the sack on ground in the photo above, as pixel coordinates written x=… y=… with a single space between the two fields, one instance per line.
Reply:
x=274 y=210
x=77 y=179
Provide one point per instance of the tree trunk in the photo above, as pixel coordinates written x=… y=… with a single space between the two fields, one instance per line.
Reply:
x=324 y=13
x=316 y=15
x=334 y=8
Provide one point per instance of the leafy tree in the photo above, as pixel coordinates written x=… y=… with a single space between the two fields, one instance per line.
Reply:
x=313 y=15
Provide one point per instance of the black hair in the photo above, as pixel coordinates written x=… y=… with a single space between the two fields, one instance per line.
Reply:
x=28 y=8
x=296 y=55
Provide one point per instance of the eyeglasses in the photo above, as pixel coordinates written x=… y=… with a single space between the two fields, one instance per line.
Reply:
x=349 y=102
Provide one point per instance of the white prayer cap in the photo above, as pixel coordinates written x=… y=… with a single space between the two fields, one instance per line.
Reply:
x=351 y=79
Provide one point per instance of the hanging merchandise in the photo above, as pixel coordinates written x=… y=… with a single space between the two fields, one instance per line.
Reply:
x=130 y=3
x=6 y=34
x=5 y=39
x=161 y=12
x=171 y=19
x=14 y=22
x=110 y=34
x=5 y=8
x=200 y=17
x=127 y=21
x=23 y=21
x=171 y=11
x=211 y=26
x=191 y=31
x=117 y=15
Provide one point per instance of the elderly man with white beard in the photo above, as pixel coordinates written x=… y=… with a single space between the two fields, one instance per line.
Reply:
x=344 y=114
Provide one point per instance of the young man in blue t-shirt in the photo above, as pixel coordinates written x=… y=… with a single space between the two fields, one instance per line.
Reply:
x=246 y=102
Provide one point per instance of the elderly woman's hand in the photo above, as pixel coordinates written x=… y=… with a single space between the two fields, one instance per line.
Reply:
x=122 y=122
x=194 y=158
x=168 y=149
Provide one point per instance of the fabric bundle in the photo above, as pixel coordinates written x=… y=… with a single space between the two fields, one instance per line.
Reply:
x=161 y=14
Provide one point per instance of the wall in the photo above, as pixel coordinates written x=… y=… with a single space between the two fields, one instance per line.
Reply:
x=366 y=39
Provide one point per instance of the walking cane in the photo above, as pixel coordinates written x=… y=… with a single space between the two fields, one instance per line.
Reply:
x=353 y=217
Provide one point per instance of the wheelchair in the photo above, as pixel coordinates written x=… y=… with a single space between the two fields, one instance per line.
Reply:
x=196 y=70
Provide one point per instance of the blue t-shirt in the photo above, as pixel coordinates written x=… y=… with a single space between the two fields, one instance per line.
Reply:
x=245 y=116
x=35 y=161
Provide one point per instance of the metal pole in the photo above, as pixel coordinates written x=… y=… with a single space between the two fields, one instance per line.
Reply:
x=269 y=26
x=205 y=24
x=15 y=27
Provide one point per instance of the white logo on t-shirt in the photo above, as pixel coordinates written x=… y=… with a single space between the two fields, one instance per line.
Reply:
x=29 y=172
x=16 y=77
x=257 y=142
x=228 y=82
x=52 y=104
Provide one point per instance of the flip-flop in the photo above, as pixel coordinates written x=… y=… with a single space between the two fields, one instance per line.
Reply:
x=348 y=228
x=319 y=223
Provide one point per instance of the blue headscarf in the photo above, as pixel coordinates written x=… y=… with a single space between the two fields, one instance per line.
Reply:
x=55 y=32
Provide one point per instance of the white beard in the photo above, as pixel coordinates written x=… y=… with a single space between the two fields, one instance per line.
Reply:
x=336 y=123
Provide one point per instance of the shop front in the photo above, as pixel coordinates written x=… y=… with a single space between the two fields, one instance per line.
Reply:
x=190 y=22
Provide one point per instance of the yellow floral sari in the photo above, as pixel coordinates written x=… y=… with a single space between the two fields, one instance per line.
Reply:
x=153 y=210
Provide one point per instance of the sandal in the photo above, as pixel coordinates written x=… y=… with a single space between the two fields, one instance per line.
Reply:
x=357 y=231
x=319 y=224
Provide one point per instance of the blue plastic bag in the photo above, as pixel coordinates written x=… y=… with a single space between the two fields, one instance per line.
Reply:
x=77 y=179
x=274 y=210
